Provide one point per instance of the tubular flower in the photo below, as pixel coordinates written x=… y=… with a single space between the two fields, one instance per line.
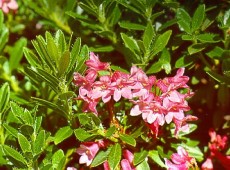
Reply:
x=127 y=162
x=88 y=151
x=7 y=5
x=180 y=160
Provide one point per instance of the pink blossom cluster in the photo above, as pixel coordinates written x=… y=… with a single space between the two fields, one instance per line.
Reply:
x=180 y=160
x=216 y=145
x=157 y=100
x=7 y=5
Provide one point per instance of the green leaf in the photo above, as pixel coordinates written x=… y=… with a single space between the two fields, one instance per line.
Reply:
x=130 y=43
x=50 y=105
x=110 y=131
x=210 y=38
x=218 y=77
x=187 y=37
x=16 y=53
x=31 y=57
x=27 y=130
x=4 y=36
x=154 y=155
x=81 y=134
x=23 y=114
x=52 y=48
x=41 y=48
x=117 y=68
x=163 y=63
x=60 y=40
x=114 y=156
x=16 y=110
x=148 y=35
x=103 y=48
x=100 y=157
x=88 y=119
x=215 y=53
x=83 y=56
x=74 y=55
x=64 y=63
x=193 y=151
x=161 y=42
x=128 y=139
x=138 y=132
x=139 y=157
x=39 y=143
x=14 y=154
x=143 y=166
x=192 y=127
x=1 y=20
x=155 y=68
x=58 y=160
x=24 y=143
x=113 y=14
x=27 y=117
x=198 y=18
x=4 y=97
x=62 y=134
x=37 y=123
x=48 y=78
x=184 y=20
x=185 y=61
x=195 y=48
x=11 y=130
x=131 y=26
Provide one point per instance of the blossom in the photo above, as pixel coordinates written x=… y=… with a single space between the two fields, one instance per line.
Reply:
x=71 y=168
x=217 y=142
x=88 y=151
x=95 y=64
x=207 y=165
x=7 y=5
x=127 y=162
x=180 y=160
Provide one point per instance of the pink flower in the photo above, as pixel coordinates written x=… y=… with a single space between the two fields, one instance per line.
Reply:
x=121 y=85
x=101 y=89
x=7 y=5
x=94 y=63
x=207 y=165
x=180 y=160
x=88 y=151
x=127 y=162
x=71 y=168
x=217 y=142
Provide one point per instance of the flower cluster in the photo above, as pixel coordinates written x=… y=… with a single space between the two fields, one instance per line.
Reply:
x=7 y=5
x=157 y=100
x=216 y=145
x=180 y=160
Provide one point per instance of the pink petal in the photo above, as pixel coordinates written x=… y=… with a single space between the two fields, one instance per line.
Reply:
x=85 y=159
x=117 y=95
x=125 y=165
x=151 y=118
x=207 y=165
x=135 y=111
x=169 y=117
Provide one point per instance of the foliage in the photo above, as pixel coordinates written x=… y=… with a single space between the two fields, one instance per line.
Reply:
x=45 y=43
